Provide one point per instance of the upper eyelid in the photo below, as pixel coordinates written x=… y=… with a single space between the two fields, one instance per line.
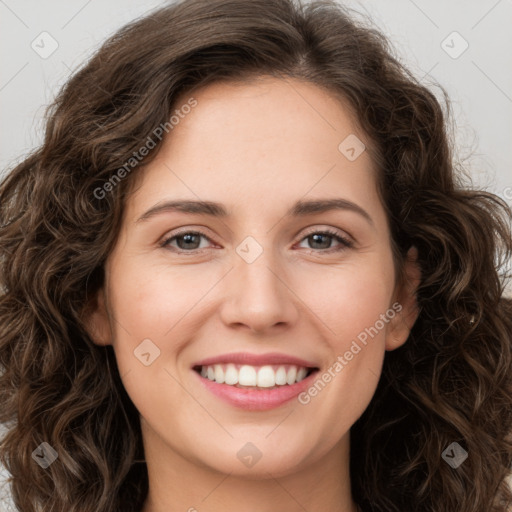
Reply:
x=338 y=231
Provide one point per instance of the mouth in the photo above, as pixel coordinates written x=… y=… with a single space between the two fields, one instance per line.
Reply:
x=255 y=382
x=262 y=377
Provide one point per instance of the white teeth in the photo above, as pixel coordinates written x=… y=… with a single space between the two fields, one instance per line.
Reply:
x=266 y=377
x=247 y=376
x=260 y=376
x=219 y=374
x=231 y=375
x=281 y=376
x=301 y=374
x=291 y=375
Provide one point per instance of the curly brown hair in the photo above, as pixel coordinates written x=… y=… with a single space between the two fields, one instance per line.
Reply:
x=451 y=381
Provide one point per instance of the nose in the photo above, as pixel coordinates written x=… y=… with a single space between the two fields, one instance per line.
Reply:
x=257 y=296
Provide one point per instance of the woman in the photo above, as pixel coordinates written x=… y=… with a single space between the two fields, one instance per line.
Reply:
x=241 y=273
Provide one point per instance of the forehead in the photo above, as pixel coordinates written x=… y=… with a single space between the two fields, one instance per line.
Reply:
x=272 y=140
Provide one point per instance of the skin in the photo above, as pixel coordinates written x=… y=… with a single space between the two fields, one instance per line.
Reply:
x=269 y=142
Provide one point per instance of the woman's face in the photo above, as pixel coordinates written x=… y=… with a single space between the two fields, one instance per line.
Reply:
x=253 y=289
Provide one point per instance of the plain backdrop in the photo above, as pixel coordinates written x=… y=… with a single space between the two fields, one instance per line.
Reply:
x=465 y=46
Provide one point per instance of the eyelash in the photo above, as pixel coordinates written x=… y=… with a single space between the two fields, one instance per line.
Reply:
x=345 y=242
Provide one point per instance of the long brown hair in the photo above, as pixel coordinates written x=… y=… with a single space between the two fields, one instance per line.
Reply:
x=451 y=382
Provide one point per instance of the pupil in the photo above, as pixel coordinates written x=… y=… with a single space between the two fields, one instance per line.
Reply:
x=315 y=239
x=187 y=240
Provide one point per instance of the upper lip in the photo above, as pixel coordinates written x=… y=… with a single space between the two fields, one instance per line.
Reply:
x=271 y=358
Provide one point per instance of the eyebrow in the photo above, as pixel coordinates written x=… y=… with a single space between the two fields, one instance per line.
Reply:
x=299 y=209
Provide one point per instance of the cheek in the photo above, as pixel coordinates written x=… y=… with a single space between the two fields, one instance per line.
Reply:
x=157 y=311
x=348 y=299
x=154 y=301
x=154 y=310
x=355 y=309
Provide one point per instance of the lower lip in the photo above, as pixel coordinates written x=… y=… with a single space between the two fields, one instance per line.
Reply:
x=256 y=399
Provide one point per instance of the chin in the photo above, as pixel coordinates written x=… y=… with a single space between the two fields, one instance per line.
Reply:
x=246 y=460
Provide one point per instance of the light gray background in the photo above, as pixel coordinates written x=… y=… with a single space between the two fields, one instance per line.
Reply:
x=479 y=81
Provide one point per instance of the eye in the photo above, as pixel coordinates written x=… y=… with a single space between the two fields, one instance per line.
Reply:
x=186 y=241
x=325 y=237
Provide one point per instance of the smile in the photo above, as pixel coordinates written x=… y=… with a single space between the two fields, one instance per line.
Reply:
x=255 y=382
x=247 y=376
